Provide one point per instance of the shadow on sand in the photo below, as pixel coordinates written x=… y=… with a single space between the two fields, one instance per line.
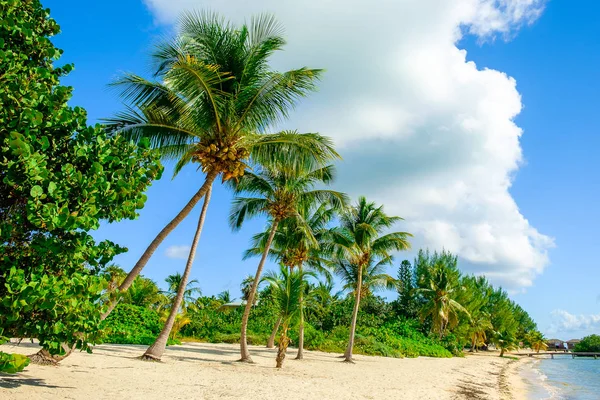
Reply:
x=11 y=382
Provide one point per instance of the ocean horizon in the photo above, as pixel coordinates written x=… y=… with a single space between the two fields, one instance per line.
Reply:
x=563 y=378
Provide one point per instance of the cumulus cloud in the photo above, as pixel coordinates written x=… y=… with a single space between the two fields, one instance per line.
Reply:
x=565 y=321
x=178 y=252
x=422 y=129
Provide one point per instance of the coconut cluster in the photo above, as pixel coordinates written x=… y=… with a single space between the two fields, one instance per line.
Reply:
x=227 y=160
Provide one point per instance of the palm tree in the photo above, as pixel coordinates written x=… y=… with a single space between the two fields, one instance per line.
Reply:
x=156 y=350
x=213 y=100
x=287 y=290
x=297 y=247
x=439 y=294
x=191 y=289
x=279 y=193
x=505 y=341
x=478 y=325
x=359 y=245
x=225 y=297
x=323 y=299
x=246 y=288
x=537 y=341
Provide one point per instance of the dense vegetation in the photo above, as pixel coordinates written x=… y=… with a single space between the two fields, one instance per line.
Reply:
x=589 y=343
x=212 y=103
x=58 y=179
x=486 y=315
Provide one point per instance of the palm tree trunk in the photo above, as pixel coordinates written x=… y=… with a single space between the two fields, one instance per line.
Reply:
x=284 y=340
x=135 y=271
x=271 y=342
x=157 y=349
x=250 y=300
x=300 y=354
x=348 y=354
x=501 y=352
x=472 y=345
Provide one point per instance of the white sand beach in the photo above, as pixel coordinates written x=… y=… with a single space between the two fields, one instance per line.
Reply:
x=210 y=371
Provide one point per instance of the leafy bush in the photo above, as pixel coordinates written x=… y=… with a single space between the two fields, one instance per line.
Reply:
x=130 y=324
x=589 y=344
x=59 y=180
x=12 y=363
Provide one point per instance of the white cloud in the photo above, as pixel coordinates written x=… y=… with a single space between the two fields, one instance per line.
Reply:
x=421 y=128
x=179 y=252
x=564 y=321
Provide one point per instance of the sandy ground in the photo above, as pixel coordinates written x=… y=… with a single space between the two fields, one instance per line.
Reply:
x=210 y=371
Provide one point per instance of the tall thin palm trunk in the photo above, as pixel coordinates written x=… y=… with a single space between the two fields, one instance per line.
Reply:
x=250 y=300
x=284 y=341
x=157 y=349
x=300 y=354
x=271 y=341
x=135 y=271
x=348 y=354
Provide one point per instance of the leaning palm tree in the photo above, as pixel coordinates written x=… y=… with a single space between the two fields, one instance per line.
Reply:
x=157 y=349
x=439 y=295
x=359 y=245
x=279 y=192
x=213 y=99
x=294 y=246
x=287 y=286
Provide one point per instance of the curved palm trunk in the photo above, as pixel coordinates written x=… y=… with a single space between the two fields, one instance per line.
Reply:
x=250 y=300
x=135 y=271
x=472 y=345
x=348 y=354
x=300 y=354
x=271 y=341
x=157 y=349
x=284 y=341
x=502 y=353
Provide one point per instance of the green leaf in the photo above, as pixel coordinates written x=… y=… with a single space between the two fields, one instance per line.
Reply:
x=36 y=191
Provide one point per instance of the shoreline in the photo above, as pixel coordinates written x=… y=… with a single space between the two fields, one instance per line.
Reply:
x=513 y=381
x=210 y=371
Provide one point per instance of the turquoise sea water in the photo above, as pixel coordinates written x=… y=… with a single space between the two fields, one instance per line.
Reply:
x=564 y=378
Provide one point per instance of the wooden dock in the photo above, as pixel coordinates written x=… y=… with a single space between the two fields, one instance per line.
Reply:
x=559 y=353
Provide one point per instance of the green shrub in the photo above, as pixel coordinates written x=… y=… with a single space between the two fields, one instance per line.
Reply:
x=130 y=324
x=12 y=363
x=589 y=344
x=312 y=336
x=253 y=339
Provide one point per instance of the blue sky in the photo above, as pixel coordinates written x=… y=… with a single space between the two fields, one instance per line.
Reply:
x=540 y=231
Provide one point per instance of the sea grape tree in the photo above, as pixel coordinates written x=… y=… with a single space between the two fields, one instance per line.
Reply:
x=59 y=178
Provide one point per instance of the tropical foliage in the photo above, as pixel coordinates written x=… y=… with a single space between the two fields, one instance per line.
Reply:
x=279 y=191
x=214 y=102
x=59 y=179
x=361 y=249
x=589 y=343
x=536 y=341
